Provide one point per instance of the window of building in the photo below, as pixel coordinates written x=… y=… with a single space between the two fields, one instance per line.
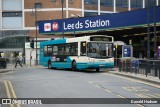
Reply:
x=105 y=13
x=53 y=0
x=12 y=14
x=106 y=2
x=86 y=14
x=122 y=3
x=86 y=2
x=136 y=3
x=94 y=2
x=150 y=2
x=38 y=5
x=71 y=1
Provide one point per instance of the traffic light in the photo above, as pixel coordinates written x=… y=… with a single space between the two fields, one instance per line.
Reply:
x=32 y=43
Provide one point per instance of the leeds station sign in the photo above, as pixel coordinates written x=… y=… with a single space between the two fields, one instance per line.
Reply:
x=100 y=22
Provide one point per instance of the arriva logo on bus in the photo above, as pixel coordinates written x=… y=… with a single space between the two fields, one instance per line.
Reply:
x=87 y=24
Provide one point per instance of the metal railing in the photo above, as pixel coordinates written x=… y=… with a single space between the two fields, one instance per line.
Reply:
x=140 y=66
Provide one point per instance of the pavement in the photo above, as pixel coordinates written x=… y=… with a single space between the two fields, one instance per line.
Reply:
x=114 y=71
x=142 y=77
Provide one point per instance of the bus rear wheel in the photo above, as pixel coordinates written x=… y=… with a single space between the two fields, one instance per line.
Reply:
x=97 y=69
x=74 y=65
x=49 y=65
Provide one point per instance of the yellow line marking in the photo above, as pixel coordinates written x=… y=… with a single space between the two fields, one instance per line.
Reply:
x=142 y=96
x=8 y=93
x=158 y=94
x=153 y=96
x=126 y=78
x=140 y=105
x=135 y=88
x=13 y=92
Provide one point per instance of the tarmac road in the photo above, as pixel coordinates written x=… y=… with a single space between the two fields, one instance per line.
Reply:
x=40 y=82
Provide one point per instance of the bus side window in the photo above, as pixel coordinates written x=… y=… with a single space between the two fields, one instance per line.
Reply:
x=73 y=49
x=55 y=50
x=45 y=50
x=83 y=49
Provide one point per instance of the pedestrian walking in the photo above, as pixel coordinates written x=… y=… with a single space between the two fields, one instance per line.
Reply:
x=18 y=60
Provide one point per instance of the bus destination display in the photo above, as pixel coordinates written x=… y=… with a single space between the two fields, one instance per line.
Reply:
x=100 y=38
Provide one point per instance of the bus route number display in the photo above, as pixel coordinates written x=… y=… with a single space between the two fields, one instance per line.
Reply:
x=97 y=38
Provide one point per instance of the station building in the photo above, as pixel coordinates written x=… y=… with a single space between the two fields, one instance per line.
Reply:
x=18 y=20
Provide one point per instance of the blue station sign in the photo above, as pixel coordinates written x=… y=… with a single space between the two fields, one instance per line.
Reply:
x=127 y=51
x=100 y=22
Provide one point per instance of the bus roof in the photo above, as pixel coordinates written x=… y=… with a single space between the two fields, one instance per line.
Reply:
x=66 y=40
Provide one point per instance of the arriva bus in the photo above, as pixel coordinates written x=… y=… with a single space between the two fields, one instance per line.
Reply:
x=87 y=52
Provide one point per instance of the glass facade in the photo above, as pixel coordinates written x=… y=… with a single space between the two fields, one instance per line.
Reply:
x=136 y=3
x=122 y=3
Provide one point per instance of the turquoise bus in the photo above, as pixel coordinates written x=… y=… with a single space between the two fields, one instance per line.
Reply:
x=87 y=52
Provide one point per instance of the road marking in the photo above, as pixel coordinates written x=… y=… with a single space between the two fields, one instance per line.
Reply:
x=153 y=96
x=147 y=95
x=108 y=90
x=8 y=93
x=120 y=96
x=158 y=94
x=98 y=86
x=126 y=78
x=97 y=82
x=135 y=88
x=12 y=92
x=142 y=96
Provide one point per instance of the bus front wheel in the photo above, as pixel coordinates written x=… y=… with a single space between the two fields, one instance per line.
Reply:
x=49 y=65
x=74 y=65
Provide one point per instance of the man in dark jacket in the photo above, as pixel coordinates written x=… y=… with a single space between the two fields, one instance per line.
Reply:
x=18 y=60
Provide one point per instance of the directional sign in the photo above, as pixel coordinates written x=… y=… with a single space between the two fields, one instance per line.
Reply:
x=127 y=51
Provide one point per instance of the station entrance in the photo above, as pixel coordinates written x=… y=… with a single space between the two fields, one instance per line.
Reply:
x=137 y=37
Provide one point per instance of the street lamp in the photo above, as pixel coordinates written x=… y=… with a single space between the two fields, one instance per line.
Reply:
x=36 y=24
x=148 y=44
x=74 y=16
x=155 y=36
x=62 y=2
